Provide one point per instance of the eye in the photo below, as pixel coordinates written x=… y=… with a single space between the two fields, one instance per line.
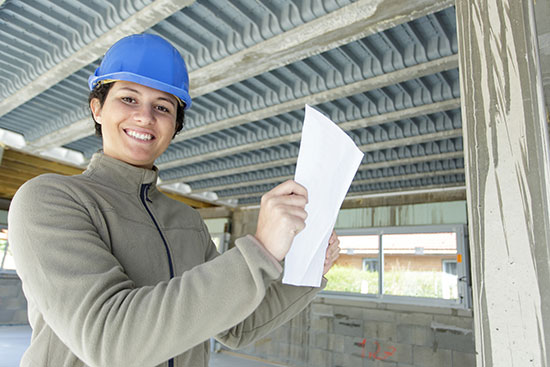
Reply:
x=163 y=109
x=128 y=100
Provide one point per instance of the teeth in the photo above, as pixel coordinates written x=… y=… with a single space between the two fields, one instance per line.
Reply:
x=139 y=136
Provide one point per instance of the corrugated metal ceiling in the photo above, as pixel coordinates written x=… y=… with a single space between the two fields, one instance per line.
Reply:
x=395 y=91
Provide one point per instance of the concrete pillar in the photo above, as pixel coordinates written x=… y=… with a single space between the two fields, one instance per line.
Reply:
x=508 y=181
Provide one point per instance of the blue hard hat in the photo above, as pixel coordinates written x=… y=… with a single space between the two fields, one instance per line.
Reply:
x=145 y=59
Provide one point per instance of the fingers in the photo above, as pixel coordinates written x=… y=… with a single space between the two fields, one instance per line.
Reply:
x=289 y=187
x=282 y=215
x=333 y=252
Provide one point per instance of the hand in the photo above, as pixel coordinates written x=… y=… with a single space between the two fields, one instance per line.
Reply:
x=333 y=252
x=282 y=216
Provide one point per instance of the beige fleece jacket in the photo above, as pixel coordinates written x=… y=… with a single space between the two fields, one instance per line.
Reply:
x=117 y=274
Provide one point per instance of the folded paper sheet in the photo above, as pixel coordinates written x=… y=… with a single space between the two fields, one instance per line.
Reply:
x=327 y=162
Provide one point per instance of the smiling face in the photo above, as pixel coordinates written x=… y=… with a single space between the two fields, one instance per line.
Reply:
x=137 y=122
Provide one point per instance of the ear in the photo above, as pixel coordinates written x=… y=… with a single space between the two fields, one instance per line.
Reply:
x=95 y=107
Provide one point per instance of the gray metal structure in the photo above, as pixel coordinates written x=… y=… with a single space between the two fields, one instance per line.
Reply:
x=385 y=71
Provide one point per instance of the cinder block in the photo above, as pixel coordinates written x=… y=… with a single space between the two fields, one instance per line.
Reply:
x=319 y=310
x=415 y=335
x=354 y=346
x=375 y=350
x=370 y=329
x=420 y=309
x=319 y=358
x=427 y=357
x=298 y=336
x=348 y=312
x=388 y=352
x=456 y=321
x=379 y=315
x=464 y=313
x=297 y=353
x=321 y=325
x=13 y=303
x=350 y=327
x=336 y=343
x=299 y=321
x=10 y=290
x=463 y=359
x=6 y=316
x=455 y=341
x=318 y=340
x=414 y=318
x=338 y=360
x=387 y=331
x=284 y=350
x=376 y=363
x=353 y=361
x=20 y=317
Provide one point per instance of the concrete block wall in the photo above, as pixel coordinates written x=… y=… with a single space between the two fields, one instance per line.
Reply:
x=13 y=305
x=336 y=332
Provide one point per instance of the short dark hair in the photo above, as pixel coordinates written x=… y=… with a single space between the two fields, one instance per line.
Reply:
x=102 y=90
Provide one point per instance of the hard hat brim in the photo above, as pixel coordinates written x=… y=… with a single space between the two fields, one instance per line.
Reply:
x=179 y=93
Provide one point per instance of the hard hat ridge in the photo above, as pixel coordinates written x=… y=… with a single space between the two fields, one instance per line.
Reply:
x=145 y=59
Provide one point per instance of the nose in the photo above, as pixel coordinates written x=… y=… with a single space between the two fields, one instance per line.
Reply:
x=144 y=115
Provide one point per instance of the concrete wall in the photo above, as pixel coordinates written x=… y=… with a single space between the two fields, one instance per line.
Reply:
x=13 y=305
x=334 y=332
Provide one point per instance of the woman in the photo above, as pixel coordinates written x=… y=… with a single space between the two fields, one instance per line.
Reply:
x=117 y=274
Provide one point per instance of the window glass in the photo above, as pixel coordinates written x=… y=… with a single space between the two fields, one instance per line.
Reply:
x=357 y=268
x=417 y=263
x=413 y=264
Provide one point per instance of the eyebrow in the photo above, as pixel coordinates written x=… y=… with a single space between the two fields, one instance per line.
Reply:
x=160 y=97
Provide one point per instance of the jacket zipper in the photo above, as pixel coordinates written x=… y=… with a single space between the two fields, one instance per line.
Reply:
x=144 y=200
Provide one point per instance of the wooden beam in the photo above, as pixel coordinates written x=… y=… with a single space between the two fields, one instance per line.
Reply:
x=18 y=158
x=17 y=167
x=189 y=201
x=216 y=212
x=508 y=181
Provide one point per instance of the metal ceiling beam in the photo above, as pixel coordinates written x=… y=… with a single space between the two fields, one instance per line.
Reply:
x=384 y=80
x=288 y=161
x=137 y=23
x=370 y=166
x=84 y=127
x=373 y=180
x=375 y=120
x=348 y=24
x=73 y=132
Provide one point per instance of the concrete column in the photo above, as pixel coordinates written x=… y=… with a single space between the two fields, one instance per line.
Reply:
x=508 y=181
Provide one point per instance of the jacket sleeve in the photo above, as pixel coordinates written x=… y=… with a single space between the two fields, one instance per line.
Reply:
x=83 y=294
x=281 y=303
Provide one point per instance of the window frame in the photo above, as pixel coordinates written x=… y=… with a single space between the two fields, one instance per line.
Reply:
x=463 y=268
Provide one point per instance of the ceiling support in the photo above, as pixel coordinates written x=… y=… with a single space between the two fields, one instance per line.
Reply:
x=508 y=181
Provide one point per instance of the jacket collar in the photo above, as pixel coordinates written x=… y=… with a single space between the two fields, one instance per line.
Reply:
x=119 y=175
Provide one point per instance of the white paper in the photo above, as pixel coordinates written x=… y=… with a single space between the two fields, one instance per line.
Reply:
x=327 y=162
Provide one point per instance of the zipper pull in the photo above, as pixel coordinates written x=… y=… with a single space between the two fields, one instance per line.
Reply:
x=147 y=193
